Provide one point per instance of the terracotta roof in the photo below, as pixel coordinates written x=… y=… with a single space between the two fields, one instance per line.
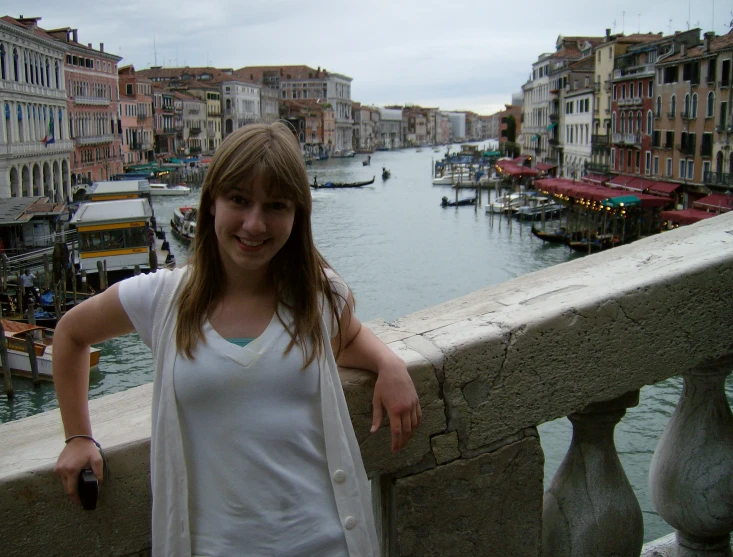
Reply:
x=587 y=63
x=639 y=38
x=182 y=95
x=296 y=73
x=34 y=30
x=723 y=42
x=567 y=53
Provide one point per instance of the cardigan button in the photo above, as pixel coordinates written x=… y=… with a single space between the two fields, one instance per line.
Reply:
x=339 y=476
x=349 y=523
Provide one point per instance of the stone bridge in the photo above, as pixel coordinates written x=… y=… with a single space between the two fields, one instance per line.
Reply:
x=579 y=340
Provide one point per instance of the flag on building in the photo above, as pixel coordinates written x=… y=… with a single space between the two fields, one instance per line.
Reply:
x=50 y=138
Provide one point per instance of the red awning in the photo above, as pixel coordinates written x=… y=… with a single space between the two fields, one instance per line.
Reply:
x=687 y=216
x=652 y=200
x=664 y=189
x=596 y=178
x=621 y=180
x=543 y=166
x=521 y=158
x=514 y=170
x=721 y=201
x=577 y=190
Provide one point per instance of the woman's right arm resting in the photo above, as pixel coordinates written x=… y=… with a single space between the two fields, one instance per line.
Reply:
x=95 y=320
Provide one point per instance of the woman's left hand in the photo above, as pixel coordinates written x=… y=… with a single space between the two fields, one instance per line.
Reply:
x=395 y=393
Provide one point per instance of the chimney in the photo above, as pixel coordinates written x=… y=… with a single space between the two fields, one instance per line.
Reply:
x=608 y=33
x=101 y=47
x=709 y=36
x=89 y=45
x=75 y=35
x=683 y=50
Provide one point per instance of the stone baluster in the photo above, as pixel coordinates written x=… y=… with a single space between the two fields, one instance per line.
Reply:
x=590 y=507
x=691 y=475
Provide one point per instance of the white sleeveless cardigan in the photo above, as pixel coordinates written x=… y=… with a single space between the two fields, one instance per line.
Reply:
x=170 y=524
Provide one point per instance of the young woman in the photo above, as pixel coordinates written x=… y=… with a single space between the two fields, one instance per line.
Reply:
x=252 y=449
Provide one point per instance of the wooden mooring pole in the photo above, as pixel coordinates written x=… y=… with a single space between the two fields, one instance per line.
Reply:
x=6 y=366
x=31 y=347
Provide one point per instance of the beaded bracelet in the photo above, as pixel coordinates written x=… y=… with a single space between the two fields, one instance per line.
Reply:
x=105 y=466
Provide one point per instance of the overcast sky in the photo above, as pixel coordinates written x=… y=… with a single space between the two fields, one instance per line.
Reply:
x=454 y=54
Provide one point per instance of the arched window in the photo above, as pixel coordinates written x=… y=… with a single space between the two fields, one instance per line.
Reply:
x=61 y=128
x=711 y=105
x=694 y=105
x=613 y=123
x=2 y=61
x=649 y=122
x=48 y=74
x=686 y=107
x=43 y=77
x=36 y=64
x=659 y=106
x=638 y=122
x=673 y=107
x=15 y=64
x=719 y=163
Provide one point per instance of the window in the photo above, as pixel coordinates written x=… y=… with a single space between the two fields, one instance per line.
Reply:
x=710 y=112
x=649 y=122
x=128 y=89
x=658 y=108
x=615 y=91
x=648 y=163
x=613 y=159
x=669 y=140
x=650 y=90
x=613 y=123
x=686 y=107
x=656 y=166
x=690 y=170
x=669 y=168
x=628 y=159
x=705 y=170
x=656 y=138
x=723 y=114
x=638 y=159
x=694 y=106
x=673 y=107
x=711 y=70
x=725 y=74
x=683 y=169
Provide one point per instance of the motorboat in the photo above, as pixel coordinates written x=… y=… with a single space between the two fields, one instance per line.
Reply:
x=449 y=179
x=538 y=207
x=19 y=360
x=183 y=223
x=168 y=189
x=505 y=203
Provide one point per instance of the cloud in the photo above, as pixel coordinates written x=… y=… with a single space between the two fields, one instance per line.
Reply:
x=462 y=54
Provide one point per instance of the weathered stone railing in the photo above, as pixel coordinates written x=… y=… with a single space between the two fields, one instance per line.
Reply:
x=578 y=339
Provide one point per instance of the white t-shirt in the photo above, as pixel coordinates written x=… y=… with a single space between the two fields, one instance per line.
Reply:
x=258 y=478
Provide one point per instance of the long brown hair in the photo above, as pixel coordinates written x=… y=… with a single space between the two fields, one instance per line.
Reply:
x=271 y=153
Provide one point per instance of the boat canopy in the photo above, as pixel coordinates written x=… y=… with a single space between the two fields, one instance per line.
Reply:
x=623 y=201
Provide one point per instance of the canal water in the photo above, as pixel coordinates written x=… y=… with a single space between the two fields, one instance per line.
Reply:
x=401 y=252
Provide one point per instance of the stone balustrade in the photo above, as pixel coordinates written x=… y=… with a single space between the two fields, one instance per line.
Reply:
x=578 y=339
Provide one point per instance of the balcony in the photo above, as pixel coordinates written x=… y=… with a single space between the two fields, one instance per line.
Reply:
x=38 y=148
x=637 y=101
x=607 y=86
x=635 y=71
x=194 y=131
x=687 y=115
x=718 y=179
x=632 y=139
x=142 y=117
x=724 y=83
x=484 y=469
x=672 y=115
x=169 y=131
x=597 y=168
x=598 y=140
x=91 y=101
x=168 y=109
x=95 y=140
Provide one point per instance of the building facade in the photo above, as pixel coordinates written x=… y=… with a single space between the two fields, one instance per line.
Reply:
x=390 y=128
x=136 y=116
x=242 y=104
x=458 y=126
x=93 y=105
x=35 y=147
x=189 y=120
x=164 y=123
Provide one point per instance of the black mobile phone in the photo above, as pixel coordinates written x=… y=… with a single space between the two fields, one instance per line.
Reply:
x=88 y=489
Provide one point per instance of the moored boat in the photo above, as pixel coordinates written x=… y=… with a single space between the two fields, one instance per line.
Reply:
x=460 y=203
x=18 y=358
x=183 y=223
x=505 y=203
x=331 y=185
x=557 y=236
x=594 y=243
x=168 y=190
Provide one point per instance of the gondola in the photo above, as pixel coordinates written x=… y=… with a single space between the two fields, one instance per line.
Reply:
x=386 y=173
x=460 y=203
x=555 y=237
x=593 y=244
x=332 y=185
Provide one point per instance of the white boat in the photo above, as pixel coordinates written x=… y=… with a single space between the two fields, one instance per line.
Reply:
x=505 y=203
x=183 y=223
x=538 y=207
x=166 y=189
x=449 y=179
x=18 y=359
